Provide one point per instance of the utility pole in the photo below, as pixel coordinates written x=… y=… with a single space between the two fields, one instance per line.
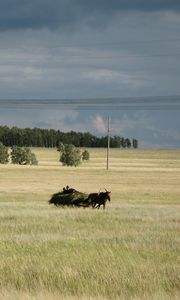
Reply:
x=108 y=143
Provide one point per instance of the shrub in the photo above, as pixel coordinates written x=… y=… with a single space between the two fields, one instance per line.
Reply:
x=70 y=155
x=23 y=156
x=60 y=147
x=85 y=155
x=4 y=156
x=34 y=160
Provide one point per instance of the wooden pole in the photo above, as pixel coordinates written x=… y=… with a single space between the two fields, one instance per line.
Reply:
x=108 y=143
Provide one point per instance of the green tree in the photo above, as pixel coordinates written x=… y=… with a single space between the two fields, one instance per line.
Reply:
x=4 y=156
x=22 y=156
x=128 y=143
x=123 y=142
x=135 y=143
x=60 y=147
x=37 y=137
x=85 y=155
x=70 y=156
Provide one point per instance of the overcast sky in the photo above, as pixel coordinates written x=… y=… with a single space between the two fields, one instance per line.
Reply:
x=52 y=49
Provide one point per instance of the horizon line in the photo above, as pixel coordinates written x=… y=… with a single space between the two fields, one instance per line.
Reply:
x=171 y=102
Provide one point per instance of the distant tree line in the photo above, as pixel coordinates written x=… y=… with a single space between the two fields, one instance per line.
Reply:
x=50 y=138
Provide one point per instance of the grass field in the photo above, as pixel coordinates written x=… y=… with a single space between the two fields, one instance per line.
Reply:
x=129 y=251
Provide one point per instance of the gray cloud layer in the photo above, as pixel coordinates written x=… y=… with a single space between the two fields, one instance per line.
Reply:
x=36 y=14
x=98 y=48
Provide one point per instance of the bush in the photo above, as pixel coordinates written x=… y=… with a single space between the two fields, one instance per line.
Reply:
x=4 y=156
x=85 y=155
x=23 y=156
x=60 y=147
x=70 y=155
x=34 y=160
x=135 y=143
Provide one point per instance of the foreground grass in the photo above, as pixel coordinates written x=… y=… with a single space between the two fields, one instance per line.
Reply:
x=129 y=251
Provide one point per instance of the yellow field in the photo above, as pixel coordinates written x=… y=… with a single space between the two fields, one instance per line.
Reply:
x=129 y=251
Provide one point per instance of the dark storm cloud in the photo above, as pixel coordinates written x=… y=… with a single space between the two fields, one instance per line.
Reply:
x=36 y=14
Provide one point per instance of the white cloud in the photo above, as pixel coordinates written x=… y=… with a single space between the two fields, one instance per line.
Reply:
x=99 y=124
x=161 y=133
x=148 y=127
x=124 y=125
x=58 y=119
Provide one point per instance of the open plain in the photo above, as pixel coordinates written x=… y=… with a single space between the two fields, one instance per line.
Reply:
x=129 y=251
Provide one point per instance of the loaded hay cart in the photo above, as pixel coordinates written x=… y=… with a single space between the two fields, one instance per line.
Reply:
x=70 y=197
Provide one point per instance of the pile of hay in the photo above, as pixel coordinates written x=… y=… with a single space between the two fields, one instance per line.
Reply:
x=74 y=198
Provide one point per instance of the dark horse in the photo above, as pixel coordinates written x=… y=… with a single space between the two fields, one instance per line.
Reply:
x=98 y=199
